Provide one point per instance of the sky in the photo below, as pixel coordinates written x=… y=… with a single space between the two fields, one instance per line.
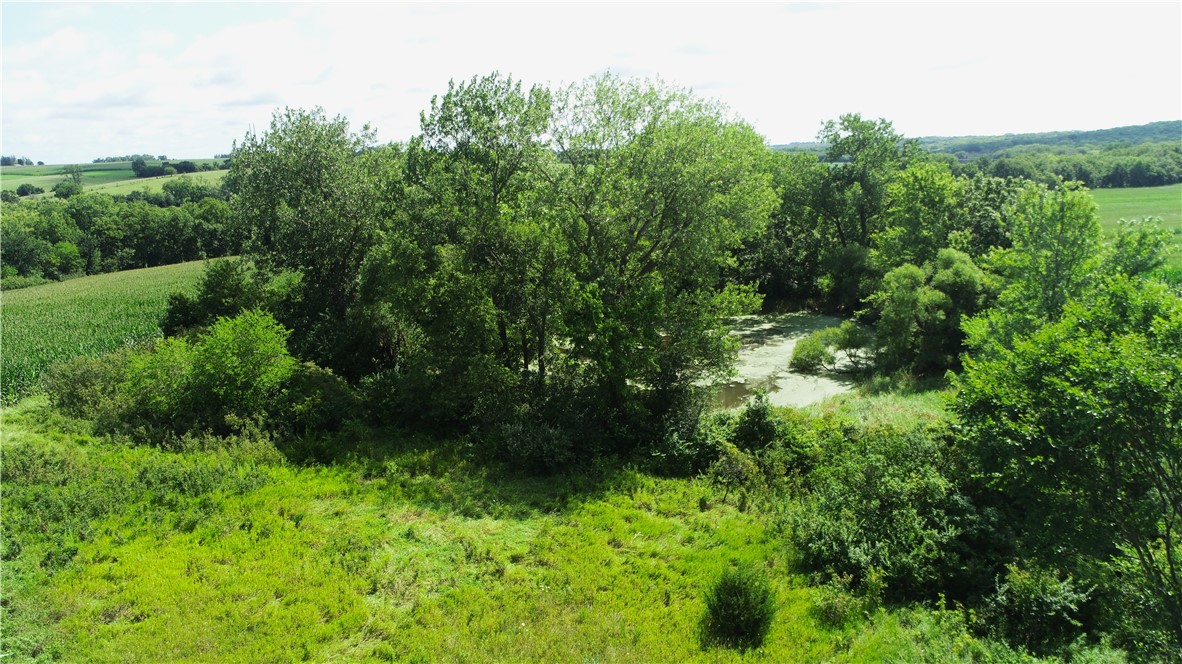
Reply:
x=89 y=80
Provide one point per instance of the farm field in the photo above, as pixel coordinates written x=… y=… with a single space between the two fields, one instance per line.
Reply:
x=93 y=175
x=85 y=316
x=1140 y=202
x=152 y=185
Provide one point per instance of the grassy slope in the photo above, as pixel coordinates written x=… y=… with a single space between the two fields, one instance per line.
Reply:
x=1135 y=203
x=399 y=550
x=85 y=316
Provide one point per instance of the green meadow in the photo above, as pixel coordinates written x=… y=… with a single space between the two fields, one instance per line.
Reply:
x=1140 y=202
x=395 y=547
x=156 y=184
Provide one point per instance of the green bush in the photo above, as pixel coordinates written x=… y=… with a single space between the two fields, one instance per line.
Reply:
x=314 y=399
x=228 y=377
x=882 y=508
x=756 y=427
x=226 y=288
x=533 y=445
x=740 y=607
x=87 y=387
x=1036 y=609
x=239 y=366
x=811 y=354
x=158 y=388
x=734 y=469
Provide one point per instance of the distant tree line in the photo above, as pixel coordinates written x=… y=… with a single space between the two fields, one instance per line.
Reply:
x=1141 y=156
x=12 y=160
x=92 y=233
x=972 y=147
x=1145 y=165
x=130 y=157
x=142 y=169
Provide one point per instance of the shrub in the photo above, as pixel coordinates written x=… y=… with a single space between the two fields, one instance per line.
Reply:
x=811 y=354
x=881 y=504
x=228 y=377
x=756 y=427
x=226 y=288
x=1036 y=609
x=87 y=387
x=734 y=469
x=740 y=607
x=315 y=399
x=157 y=387
x=239 y=366
x=533 y=445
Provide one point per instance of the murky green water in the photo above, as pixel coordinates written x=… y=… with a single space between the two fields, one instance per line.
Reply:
x=767 y=342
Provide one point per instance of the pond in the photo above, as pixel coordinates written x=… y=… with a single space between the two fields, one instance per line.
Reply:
x=767 y=342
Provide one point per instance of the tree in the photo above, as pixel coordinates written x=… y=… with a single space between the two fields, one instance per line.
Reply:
x=66 y=189
x=785 y=261
x=868 y=155
x=657 y=192
x=1076 y=425
x=308 y=207
x=1054 y=258
x=73 y=172
x=1139 y=247
x=920 y=312
x=921 y=212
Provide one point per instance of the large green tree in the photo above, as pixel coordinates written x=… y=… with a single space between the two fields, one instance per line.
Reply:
x=657 y=191
x=1078 y=426
x=307 y=194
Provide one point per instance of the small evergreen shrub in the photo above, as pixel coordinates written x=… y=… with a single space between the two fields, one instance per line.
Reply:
x=740 y=607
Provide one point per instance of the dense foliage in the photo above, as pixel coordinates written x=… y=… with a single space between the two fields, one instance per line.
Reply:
x=529 y=251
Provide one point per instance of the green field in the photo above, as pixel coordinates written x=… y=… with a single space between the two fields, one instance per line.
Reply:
x=94 y=176
x=86 y=316
x=1140 y=202
x=401 y=549
x=151 y=185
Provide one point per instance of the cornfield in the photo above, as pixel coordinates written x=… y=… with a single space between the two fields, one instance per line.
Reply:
x=87 y=316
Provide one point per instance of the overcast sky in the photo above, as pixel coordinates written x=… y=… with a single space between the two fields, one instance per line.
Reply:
x=88 y=80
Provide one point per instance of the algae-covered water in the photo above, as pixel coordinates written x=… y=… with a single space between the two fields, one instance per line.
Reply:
x=767 y=342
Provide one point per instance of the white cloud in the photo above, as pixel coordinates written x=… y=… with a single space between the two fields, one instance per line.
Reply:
x=194 y=78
